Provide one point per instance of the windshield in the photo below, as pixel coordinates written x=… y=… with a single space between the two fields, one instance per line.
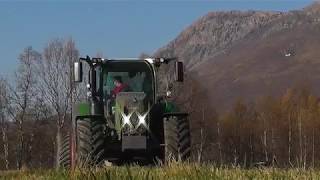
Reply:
x=128 y=77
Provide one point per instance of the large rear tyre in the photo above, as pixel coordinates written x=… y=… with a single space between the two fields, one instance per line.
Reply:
x=177 y=139
x=65 y=153
x=90 y=142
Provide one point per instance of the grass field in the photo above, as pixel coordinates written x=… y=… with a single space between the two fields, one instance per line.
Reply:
x=174 y=171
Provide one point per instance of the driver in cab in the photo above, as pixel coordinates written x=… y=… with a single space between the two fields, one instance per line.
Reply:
x=119 y=86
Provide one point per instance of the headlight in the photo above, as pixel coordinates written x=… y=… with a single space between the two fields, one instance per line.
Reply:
x=142 y=119
x=150 y=60
x=126 y=119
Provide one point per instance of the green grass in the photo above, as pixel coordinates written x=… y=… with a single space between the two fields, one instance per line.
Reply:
x=173 y=171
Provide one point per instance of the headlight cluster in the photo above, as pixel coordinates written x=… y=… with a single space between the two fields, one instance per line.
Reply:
x=141 y=121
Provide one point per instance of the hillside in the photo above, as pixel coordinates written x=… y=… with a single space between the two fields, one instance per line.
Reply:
x=247 y=55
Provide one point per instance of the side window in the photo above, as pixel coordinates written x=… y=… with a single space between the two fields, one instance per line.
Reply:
x=147 y=85
x=98 y=79
x=107 y=83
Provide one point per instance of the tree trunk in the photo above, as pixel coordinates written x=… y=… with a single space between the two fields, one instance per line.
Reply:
x=235 y=157
x=29 y=155
x=219 y=143
x=289 y=141
x=5 y=146
x=251 y=141
x=264 y=140
x=273 y=148
x=20 y=146
x=265 y=146
x=305 y=152
x=245 y=160
x=201 y=146
x=313 y=150
x=300 y=140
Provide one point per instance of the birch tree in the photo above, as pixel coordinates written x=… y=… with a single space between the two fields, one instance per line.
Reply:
x=22 y=95
x=55 y=71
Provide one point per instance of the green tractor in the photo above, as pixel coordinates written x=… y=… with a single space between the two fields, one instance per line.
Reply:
x=125 y=118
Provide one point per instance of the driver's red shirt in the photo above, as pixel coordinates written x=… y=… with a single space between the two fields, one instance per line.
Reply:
x=118 y=89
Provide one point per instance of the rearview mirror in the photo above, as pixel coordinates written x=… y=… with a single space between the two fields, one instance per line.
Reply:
x=179 y=71
x=78 y=72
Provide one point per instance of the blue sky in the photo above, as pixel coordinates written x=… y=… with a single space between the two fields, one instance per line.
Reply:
x=115 y=28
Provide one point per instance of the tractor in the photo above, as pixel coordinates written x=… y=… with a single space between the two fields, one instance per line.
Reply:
x=120 y=125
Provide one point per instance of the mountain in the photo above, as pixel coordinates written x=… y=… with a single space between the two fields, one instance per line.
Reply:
x=231 y=55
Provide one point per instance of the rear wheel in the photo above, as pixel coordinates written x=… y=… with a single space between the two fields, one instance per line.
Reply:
x=176 y=138
x=65 y=153
x=90 y=142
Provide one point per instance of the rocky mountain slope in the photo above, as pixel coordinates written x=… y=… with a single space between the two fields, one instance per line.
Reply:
x=232 y=55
